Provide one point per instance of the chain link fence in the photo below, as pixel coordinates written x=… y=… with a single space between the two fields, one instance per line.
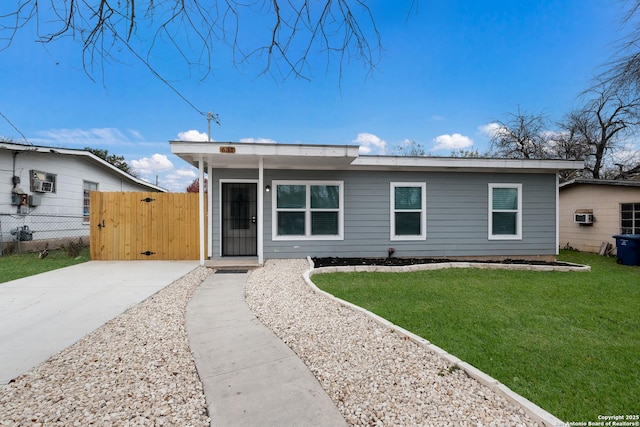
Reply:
x=34 y=233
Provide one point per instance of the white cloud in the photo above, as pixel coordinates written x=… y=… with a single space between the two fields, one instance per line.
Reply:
x=178 y=180
x=371 y=144
x=489 y=129
x=96 y=137
x=157 y=163
x=185 y=173
x=629 y=155
x=258 y=140
x=136 y=134
x=452 y=142
x=193 y=135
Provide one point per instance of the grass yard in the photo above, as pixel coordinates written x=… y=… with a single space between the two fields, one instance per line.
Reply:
x=27 y=264
x=569 y=342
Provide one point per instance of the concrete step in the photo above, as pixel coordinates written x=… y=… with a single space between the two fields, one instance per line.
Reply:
x=233 y=263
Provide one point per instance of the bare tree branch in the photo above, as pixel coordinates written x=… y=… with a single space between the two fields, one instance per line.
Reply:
x=521 y=136
x=299 y=29
x=610 y=115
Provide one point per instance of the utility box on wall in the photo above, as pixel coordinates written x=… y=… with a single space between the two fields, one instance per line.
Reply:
x=19 y=199
x=35 y=200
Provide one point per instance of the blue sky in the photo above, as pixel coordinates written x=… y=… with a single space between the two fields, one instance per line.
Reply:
x=448 y=69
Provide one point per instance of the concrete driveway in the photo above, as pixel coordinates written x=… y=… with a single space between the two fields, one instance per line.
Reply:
x=44 y=314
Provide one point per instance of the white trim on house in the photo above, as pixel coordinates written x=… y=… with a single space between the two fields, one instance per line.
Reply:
x=518 y=212
x=423 y=211
x=557 y=213
x=307 y=210
x=201 y=208
x=461 y=164
x=260 y=212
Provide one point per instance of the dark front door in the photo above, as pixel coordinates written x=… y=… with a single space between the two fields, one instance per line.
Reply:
x=239 y=219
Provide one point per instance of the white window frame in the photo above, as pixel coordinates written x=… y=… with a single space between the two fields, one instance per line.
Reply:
x=85 y=220
x=307 y=210
x=422 y=210
x=518 y=235
x=635 y=214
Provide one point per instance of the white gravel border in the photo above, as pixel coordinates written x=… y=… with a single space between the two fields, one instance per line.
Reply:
x=538 y=414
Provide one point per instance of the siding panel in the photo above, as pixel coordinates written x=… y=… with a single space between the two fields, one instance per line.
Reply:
x=457 y=215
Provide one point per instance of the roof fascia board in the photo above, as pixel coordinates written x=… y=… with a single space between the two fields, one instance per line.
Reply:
x=447 y=163
x=305 y=150
x=587 y=181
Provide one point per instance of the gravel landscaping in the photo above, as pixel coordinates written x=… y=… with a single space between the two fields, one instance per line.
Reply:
x=375 y=377
x=136 y=370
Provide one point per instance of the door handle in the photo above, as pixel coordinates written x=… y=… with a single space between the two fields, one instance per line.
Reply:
x=253 y=219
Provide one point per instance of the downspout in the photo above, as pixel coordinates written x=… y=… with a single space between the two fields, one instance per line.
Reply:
x=260 y=212
x=201 y=207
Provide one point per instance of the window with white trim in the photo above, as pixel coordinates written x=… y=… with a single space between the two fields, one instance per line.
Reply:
x=505 y=211
x=408 y=211
x=308 y=210
x=87 y=188
x=630 y=218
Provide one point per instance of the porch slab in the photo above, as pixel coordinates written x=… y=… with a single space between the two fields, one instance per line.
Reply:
x=232 y=263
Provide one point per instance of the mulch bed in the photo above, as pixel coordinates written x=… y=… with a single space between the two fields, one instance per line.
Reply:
x=341 y=262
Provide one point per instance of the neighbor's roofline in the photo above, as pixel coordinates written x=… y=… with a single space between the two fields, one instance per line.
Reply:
x=593 y=181
x=13 y=146
x=209 y=150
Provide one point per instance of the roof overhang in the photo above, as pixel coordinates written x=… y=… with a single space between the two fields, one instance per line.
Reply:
x=227 y=155
x=97 y=161
x=608 y=182
x=464 y=164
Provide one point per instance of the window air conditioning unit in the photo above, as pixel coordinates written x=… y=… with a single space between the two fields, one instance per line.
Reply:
x=43 y=187
x=583 y=218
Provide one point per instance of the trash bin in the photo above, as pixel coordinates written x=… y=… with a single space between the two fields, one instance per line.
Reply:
x=628 y=248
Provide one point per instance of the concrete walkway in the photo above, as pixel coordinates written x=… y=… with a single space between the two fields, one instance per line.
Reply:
x=250 y=377
x=43 y=314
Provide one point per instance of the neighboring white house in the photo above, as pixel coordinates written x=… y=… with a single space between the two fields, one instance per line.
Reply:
x=44 y=192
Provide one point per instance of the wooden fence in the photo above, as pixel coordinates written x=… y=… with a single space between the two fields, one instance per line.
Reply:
x=144 y=226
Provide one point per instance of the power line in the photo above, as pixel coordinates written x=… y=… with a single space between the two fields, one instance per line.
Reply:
x=155 y=73
x=14 y=126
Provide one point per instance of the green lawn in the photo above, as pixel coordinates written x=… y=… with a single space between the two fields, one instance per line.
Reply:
x=569 y=342
x=27 y=264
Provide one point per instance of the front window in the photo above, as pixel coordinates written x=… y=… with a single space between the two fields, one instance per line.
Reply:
x=630 y=218
x=505 y=211
x=308 y=210
x=88 y=187
x=408 y=211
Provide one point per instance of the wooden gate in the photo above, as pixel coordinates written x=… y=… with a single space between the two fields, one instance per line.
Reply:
x=144 y=226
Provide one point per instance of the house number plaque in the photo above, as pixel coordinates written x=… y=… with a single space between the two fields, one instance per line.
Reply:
x=228 y=150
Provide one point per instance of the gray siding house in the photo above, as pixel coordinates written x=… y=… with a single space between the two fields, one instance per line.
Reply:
x=292 y=201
